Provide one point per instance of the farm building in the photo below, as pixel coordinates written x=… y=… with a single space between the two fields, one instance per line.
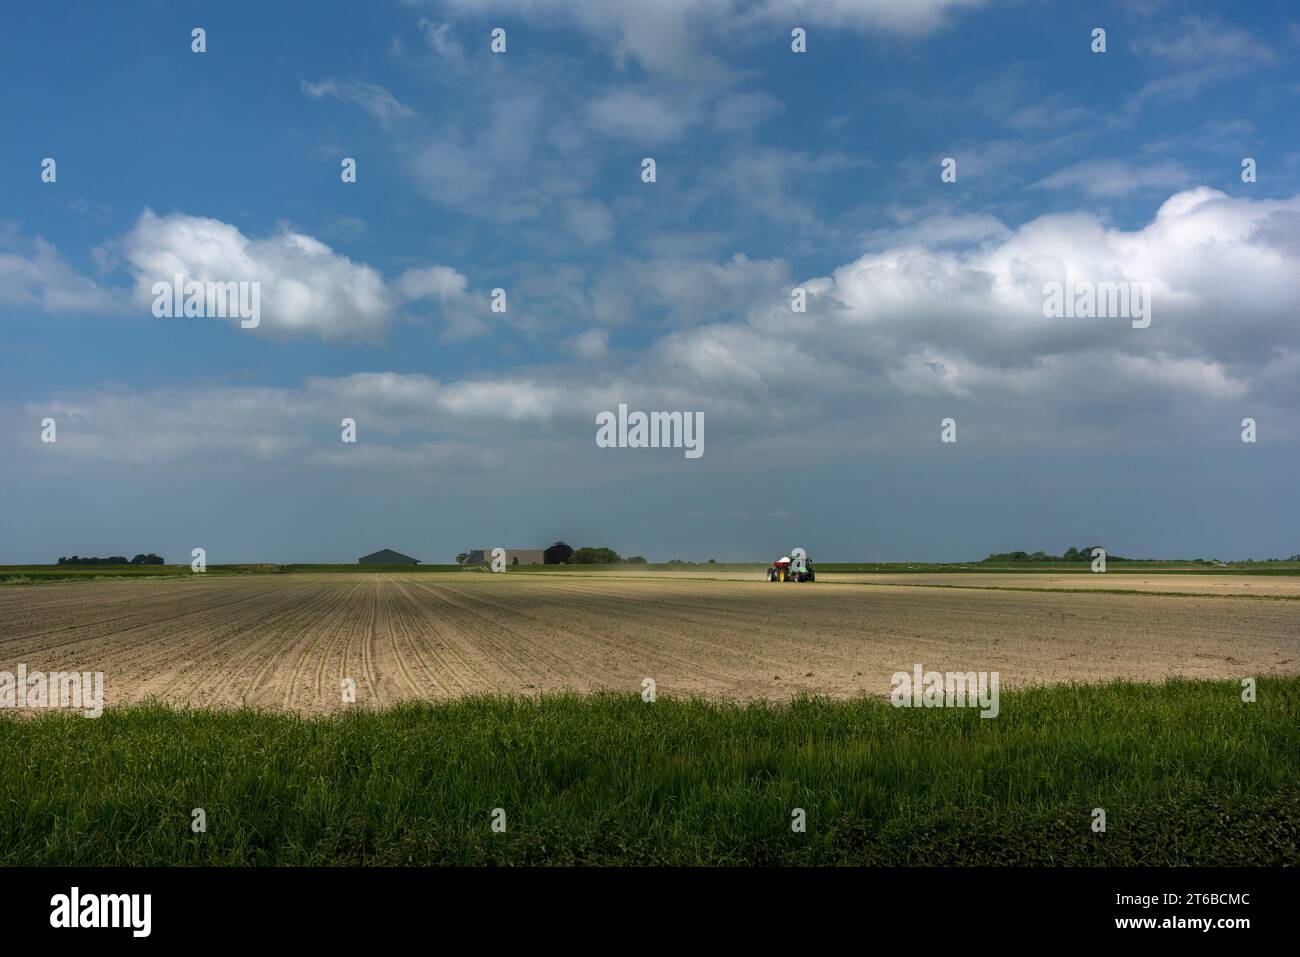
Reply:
x=386 y=556
x=514 y=556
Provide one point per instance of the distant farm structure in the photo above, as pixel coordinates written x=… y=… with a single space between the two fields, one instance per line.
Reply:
x=386 y=556
x=514 y=556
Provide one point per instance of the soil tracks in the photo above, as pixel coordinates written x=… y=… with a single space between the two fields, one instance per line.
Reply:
x=288 y=641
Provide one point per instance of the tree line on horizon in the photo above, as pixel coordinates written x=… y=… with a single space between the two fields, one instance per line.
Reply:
x=1072 y=554
x=150 y=559
x=1085 y=555
x=562 y=553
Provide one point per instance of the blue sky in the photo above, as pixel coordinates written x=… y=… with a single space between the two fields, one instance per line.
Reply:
x=775 y=170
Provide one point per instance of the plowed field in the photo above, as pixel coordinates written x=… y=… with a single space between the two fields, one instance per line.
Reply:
x=288 y=641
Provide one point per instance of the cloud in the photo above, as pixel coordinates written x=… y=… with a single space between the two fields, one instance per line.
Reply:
x=673 y=37
x=1196 y=376
x=1202 y=41
x=374 y=99
x=266 y=425
x=916 y=17
x=590 y=221
x=34 y=274
x=464 y=314
x=1115 y=178
x=1204 y=52
x=640 y=116
x=912 y=331
x=530 y=151
x=660 y=36
x=1053 y=113
x=687 y=291
x=495 y=163
x=1206 y=256
x=348 y=229
x=764 y=178
x=306 y=289
x=589 y=345
x=939 y=230
x=741 y=112
x=439 y=38
x=440 y=282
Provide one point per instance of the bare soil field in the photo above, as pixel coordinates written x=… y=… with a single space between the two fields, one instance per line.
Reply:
x=1199 y=583
x=1195 y=583
x=286 y=642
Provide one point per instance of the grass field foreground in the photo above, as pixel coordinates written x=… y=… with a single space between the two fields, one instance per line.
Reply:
x=1186 y=771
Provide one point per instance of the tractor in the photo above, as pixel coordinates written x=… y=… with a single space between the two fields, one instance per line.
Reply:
x=796 y=569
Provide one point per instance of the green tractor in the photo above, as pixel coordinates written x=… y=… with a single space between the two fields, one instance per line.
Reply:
x=794 y=567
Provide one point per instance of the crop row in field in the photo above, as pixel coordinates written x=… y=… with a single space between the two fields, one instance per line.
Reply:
x=294 y=641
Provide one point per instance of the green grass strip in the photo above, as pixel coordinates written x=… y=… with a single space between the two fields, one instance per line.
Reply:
x=1186 y=772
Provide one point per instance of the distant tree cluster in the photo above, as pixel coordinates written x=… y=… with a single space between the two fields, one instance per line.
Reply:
x=1085 y=555
x=563 y=554
x=149 y=559
x=1072 y=554
x=594 y=556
